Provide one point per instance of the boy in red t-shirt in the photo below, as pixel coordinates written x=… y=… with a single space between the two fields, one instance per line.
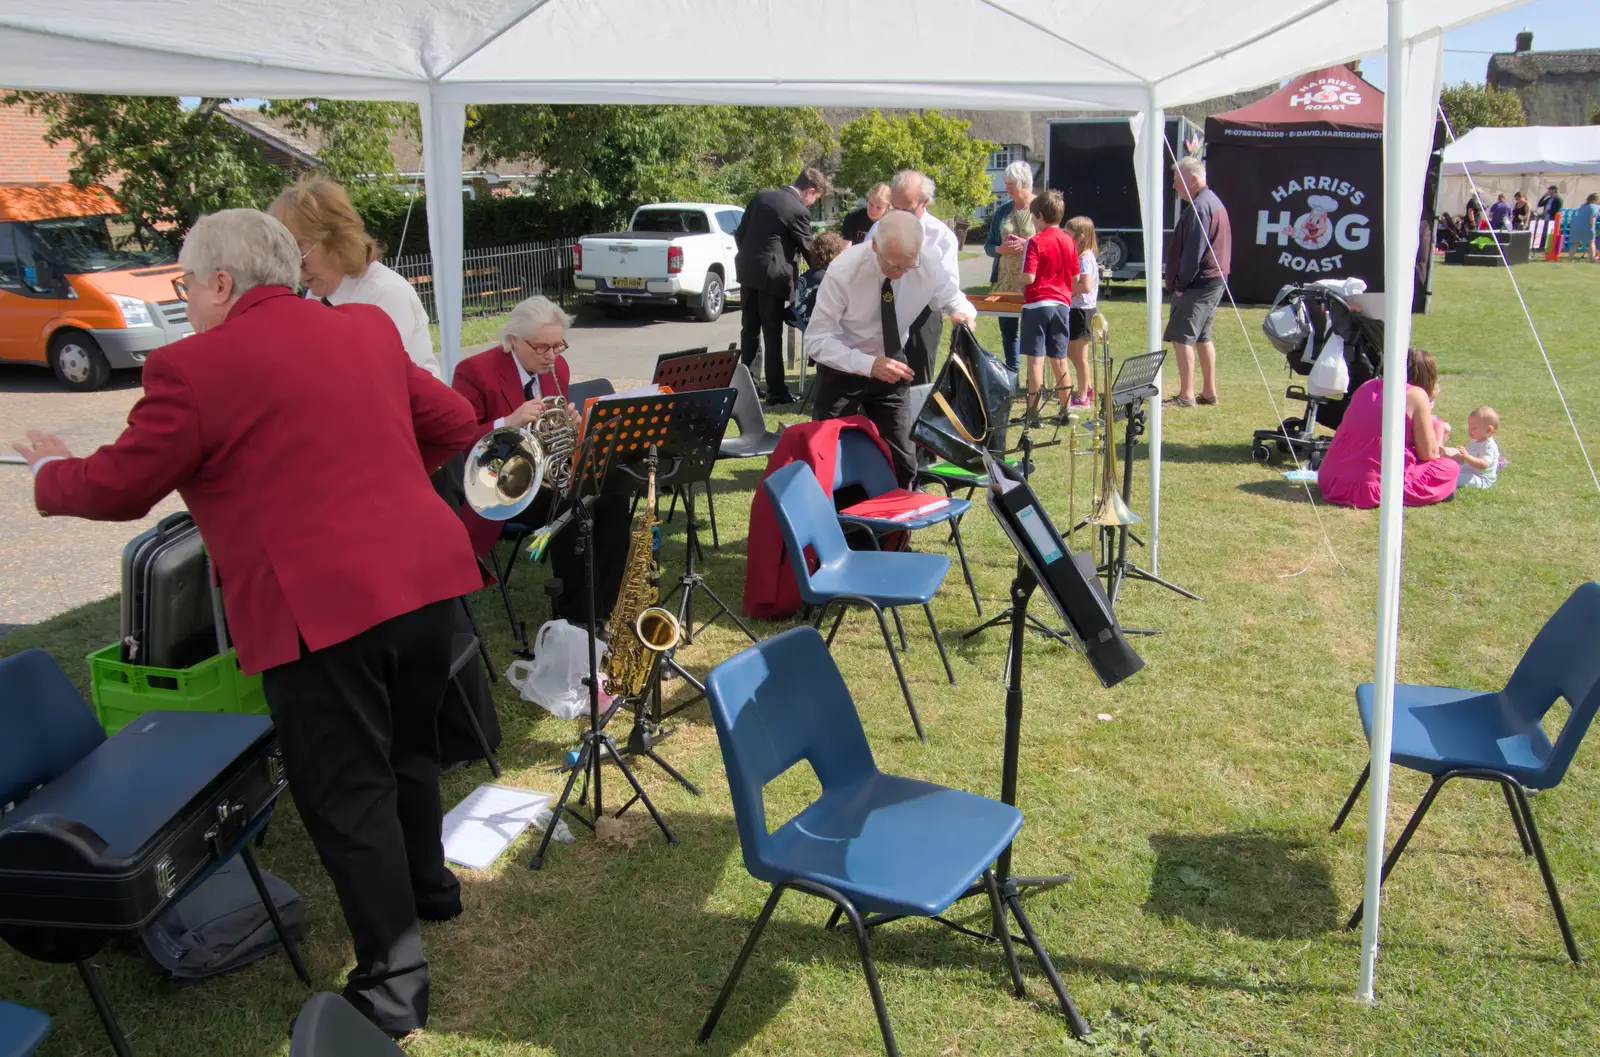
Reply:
x=1049 y=267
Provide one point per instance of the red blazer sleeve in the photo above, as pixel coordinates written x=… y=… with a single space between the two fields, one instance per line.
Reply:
x=444 y=421
x=159 y=451
x=468 y=383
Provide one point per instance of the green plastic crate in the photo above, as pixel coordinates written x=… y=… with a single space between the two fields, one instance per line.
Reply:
x=124 y=692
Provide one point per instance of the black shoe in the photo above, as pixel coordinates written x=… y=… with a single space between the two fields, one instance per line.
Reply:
x=784 y=397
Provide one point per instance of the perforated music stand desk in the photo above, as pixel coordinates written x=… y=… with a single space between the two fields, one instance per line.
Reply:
x=696 y=370
x=1136 y=378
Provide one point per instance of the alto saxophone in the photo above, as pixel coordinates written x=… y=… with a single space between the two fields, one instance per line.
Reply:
x=640 y=630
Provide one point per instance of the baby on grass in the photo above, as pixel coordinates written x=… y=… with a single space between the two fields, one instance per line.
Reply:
x=1480 y=458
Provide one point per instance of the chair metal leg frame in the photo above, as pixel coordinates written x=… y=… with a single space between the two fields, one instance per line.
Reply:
x=1513 y=789
x=933 y=626
x=284 y=938
x=1350 y=801
x=711 y=508
x=119 y=1043
x=966 y=570
x=888 y=642
x=1516 y=819
x=899 y=628
x=1004 y=897
x=477 y=728
x=519 y=627
x=483 y=650
x=842 y=905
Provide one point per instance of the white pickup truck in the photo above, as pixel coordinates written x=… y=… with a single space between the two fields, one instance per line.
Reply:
x=680 y=252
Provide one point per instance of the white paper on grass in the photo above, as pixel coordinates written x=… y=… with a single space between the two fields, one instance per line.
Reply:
x=483 y=825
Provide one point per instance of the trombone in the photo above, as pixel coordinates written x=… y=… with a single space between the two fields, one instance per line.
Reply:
x=1107 y=507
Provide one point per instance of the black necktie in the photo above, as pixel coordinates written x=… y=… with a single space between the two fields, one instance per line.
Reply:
x=325 y=301
x=891 y=325
x=527 y=389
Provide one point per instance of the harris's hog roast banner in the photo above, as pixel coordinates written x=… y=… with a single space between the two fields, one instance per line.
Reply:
x=1301 y=173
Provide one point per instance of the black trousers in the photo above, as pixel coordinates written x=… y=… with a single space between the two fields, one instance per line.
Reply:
x=761 y=318
x=886 y=404
x=611 y=531
x=922 y=345
x=357 y=722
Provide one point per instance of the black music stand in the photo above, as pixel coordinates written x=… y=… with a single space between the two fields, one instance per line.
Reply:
x=629 y=432
x=1025 y=445
x=688 y=439
x=1135 y=385
x=692 y=371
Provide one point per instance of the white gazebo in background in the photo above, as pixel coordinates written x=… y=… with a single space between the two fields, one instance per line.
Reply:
x=1140 y=56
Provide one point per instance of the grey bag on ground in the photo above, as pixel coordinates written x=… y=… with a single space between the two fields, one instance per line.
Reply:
x=222 y=925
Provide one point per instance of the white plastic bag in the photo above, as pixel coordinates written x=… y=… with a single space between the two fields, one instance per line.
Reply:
x=554 y=679
x=1330 y=375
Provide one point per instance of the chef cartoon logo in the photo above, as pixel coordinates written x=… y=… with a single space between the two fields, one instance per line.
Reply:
x=1323 y=229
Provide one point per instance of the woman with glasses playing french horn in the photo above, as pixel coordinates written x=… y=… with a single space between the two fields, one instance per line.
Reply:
x=515 y=386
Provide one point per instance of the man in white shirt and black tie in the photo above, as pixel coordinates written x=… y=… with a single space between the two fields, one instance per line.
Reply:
x=912 y=191
x=857 y=333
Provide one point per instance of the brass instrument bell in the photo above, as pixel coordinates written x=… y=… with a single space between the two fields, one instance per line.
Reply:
x=503 y=473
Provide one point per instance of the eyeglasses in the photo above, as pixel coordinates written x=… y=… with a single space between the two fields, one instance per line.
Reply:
x=181 y=288
x=545 y=350
x=306 y=252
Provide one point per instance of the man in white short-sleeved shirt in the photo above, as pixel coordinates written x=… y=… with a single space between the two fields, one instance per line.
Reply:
x=858 y=330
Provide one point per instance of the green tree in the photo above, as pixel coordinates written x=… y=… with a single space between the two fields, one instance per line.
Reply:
x=1467 y=106
x=611 y=159
x=174 y=164
x=353 y=140
x=764 y=146
x=873 y=148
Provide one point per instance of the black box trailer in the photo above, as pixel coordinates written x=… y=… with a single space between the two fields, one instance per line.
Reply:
x=1090 y=160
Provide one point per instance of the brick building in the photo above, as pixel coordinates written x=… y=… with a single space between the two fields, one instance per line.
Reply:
x=25 y=158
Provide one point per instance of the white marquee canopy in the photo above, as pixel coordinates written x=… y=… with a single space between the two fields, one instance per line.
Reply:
x=1134 y=55
x=1488 y=151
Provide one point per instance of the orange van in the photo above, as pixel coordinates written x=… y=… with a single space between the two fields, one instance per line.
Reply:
x=84 y=288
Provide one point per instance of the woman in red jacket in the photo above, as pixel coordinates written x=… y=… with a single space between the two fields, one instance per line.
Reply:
x=507 y=387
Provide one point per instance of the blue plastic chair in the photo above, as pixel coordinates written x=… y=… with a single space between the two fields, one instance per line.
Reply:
x=22 y=1030
x=871 y=843
x=860 y=463
x=875 y=579
x=1497 y=737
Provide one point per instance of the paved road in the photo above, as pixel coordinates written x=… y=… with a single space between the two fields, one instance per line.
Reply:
x=50 y=565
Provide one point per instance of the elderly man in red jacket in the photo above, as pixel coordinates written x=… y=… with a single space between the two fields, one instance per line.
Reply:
x=301 y=438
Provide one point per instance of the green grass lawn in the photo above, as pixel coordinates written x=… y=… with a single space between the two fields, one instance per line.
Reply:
x=1205 y=915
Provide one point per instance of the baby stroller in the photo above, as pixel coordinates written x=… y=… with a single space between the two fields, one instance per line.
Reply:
x=1308 y=322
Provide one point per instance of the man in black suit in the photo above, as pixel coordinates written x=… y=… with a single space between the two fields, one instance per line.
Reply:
x=776 y=227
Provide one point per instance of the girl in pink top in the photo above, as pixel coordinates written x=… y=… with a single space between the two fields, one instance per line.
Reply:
x=1349 y=472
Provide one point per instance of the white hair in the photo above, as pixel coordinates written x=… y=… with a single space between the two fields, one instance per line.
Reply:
x=899 y=230
x=252 y=247
x=530 y=317
x=1193 y=168
x=902 y=184
x=1020 y=173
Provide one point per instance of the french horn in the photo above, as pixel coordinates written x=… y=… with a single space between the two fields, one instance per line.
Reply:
x=508 y=466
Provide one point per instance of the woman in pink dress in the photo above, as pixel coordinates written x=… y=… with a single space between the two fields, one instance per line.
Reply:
x=1349 y=472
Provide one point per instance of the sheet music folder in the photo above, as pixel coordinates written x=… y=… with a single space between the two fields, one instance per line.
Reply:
x=1069 y=581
